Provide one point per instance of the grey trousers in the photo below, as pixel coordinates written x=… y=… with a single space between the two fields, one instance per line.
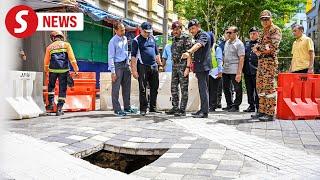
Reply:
x=124 y=80
x=203 y=79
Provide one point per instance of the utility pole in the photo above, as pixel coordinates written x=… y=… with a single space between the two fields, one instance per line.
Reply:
x=165 y=23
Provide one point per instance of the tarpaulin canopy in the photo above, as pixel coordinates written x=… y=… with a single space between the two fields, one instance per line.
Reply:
x=42 y=4
x=98 y=14
x=92 y=11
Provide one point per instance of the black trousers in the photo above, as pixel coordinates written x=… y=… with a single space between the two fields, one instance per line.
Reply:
x=215 y=92
x=301 y=71
x=229 y=79
x=203 y=78
x=148 y=75
x=62 y=77
x=253 y=98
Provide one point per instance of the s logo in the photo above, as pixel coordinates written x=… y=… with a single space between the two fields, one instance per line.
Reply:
x=21 y=21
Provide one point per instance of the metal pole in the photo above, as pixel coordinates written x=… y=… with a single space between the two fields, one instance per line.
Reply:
x=165 y=23
x=125 y=8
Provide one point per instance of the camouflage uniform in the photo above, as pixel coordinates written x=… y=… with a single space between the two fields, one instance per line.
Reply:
x=179 y=46
x=268 y=69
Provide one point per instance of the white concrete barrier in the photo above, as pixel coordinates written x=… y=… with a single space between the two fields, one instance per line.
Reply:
x=37 y=93
x=21 y=104
x=164 y=100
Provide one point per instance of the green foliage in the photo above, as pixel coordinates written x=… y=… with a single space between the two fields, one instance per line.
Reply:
x=219 y=14
x=285 y=50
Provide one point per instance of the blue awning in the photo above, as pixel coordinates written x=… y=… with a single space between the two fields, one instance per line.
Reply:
x=98 y=14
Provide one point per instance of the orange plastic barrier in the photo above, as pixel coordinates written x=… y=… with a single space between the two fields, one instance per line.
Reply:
x=298 y=96
x=81 y=97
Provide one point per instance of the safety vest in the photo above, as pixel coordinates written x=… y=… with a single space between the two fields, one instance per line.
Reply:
x=59 y=54
x=214 y=59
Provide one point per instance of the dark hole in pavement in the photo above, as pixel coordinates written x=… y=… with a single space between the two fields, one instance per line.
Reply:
x=126 y=163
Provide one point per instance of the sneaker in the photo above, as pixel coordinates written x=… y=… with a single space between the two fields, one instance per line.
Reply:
x=266 y=118
x=219 y=106
x=234 y=109
x=142 y=113
x=180 y=113
x=172 y=111
x=257 y=115
x=196 y=113
x=130 y=111
x=120 y=113
x=250 y=109
x=59 y=112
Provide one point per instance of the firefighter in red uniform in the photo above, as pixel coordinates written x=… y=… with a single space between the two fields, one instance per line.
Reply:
x=59 y=55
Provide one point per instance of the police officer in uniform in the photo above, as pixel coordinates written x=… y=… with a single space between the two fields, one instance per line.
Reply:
x=180 y=69
x=59 y=55
x=250 y=70
x=267 y=49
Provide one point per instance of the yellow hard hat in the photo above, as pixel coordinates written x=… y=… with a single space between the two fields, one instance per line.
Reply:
x=56 y=33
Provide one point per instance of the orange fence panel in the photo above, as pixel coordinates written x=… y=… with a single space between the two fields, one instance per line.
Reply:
x=80 y=97
x=298 y=96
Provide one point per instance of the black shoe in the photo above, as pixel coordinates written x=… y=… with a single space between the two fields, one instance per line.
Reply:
x=180 y=113
x=212 y=109
x=196 y=113
x=234 y=109
x=59 y=112
x=201 y=115
x=49 y=107
x=226 y=108
x=266 y=118
x=120 y=113
x=154 y=111
x=172 y=111
x=250 y=109
x=219 y=106
x=142 y=113
x=257 y=115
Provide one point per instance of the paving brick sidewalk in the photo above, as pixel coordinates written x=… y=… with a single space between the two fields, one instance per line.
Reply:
x=188 y=153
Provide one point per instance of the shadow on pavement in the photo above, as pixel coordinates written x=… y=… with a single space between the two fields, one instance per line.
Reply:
x=234 y=122
x=92 y=116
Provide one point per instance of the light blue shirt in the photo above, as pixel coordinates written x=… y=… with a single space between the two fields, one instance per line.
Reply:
x=219 y=57
x=117 y=51
x=167 y=55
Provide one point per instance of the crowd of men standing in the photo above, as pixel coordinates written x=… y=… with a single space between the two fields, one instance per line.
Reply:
x=217 y=66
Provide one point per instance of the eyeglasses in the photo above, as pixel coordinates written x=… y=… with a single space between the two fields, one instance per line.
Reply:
x=229 y=32
x=264 y=19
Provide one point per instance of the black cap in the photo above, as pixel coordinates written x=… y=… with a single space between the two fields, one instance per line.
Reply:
x=193 y=22
x=146 y=26
x=254 y=29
